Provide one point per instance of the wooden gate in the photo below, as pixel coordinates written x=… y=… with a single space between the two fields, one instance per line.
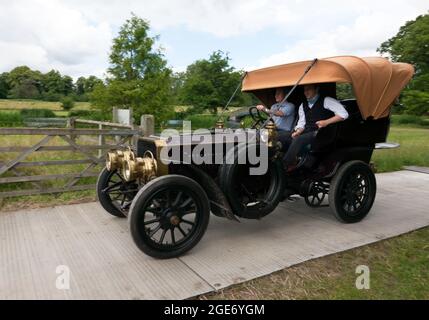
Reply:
x=17 y=168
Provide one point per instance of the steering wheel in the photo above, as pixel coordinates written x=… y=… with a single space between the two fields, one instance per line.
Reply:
x=257 y=116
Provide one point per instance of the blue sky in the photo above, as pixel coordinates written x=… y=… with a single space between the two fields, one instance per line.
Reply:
x=74 y=36
x=183 y=46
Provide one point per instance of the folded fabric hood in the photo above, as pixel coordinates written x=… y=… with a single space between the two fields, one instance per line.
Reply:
x=376 y=81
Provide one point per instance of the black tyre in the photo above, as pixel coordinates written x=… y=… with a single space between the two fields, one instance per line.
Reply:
x=114 y=193
x=252 y=196
x=316 y=194
x=169 y=216
x=352 y=192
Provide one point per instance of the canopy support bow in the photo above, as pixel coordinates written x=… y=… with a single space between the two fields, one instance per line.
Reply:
x=220 y=119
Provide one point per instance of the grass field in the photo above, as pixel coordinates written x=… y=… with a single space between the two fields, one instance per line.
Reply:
x=16 y=104
x=398 y=270
x=414 y=149
x=11 y=105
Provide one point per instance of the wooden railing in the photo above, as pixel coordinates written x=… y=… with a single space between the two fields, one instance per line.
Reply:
x=73 y=123
x=15 y=163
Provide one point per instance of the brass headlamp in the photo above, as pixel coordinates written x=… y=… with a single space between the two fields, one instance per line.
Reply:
x=140 y=168
x=114 y=160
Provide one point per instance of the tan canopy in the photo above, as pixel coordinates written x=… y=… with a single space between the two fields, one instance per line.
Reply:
x=376 y=81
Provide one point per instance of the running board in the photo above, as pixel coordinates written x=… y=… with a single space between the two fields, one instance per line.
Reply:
x=386 y=146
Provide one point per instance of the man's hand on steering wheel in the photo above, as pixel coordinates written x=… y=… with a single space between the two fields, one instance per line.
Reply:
x=263 y=109
x=257 y=115
x=260 y=107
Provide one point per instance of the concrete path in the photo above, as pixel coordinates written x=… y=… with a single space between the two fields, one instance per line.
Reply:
x=105 y=264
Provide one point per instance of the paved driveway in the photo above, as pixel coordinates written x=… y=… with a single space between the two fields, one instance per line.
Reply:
x=105 y=264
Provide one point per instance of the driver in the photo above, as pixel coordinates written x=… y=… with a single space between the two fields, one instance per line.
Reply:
x=315 y=113
x=283 y=113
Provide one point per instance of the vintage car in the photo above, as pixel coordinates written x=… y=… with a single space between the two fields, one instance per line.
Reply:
x=168 y=205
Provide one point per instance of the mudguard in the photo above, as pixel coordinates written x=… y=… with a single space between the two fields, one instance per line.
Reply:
x=219 y=204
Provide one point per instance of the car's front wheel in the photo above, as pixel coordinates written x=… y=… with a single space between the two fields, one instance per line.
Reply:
x=169 y=216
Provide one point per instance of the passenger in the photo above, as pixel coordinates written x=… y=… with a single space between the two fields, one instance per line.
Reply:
x=315 y=113
x=283 y=113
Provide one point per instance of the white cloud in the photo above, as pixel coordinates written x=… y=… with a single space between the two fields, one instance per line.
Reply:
x=223 y=18
x=13 y=54
x=226 y=18
x=48 y=34
x=74 y=36
x=361 y=37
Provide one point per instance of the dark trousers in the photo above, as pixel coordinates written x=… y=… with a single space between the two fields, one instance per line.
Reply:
x=294 y=146
x=284 y=137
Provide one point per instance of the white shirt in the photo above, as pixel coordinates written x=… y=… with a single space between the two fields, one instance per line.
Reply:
x=330 y=104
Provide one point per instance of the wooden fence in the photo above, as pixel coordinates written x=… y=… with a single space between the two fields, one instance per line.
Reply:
x=73 y=123
x=71 y=141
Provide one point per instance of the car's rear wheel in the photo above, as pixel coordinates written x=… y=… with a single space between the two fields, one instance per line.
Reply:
x=169 y=216
x=316 y=193
x=114 y=193
x=352 y=192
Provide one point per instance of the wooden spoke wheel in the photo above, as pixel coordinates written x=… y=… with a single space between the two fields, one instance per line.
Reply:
x=169 y=216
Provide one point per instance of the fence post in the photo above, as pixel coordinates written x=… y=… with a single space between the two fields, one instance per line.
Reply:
x=119 y=117
x=101 y=141
x=147 y=125
x=115 y=115
x=115 y=119
x=71 y=123
x=131 y=121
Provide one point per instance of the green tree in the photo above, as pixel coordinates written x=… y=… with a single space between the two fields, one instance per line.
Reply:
x=27 y=89
x=67 y=103
x=90 y=83
x=411 y=45
x=24 y=83
x=80 y=86
x=345 y=91
x=68 y=85
x=86 y=85
x=4 y=86
x=139 y=76
x=177 y=82
x=53 y=86
x=117 y=93
x=208 y=84
x=420 y=82
x=52 y=82
x=415 y=102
